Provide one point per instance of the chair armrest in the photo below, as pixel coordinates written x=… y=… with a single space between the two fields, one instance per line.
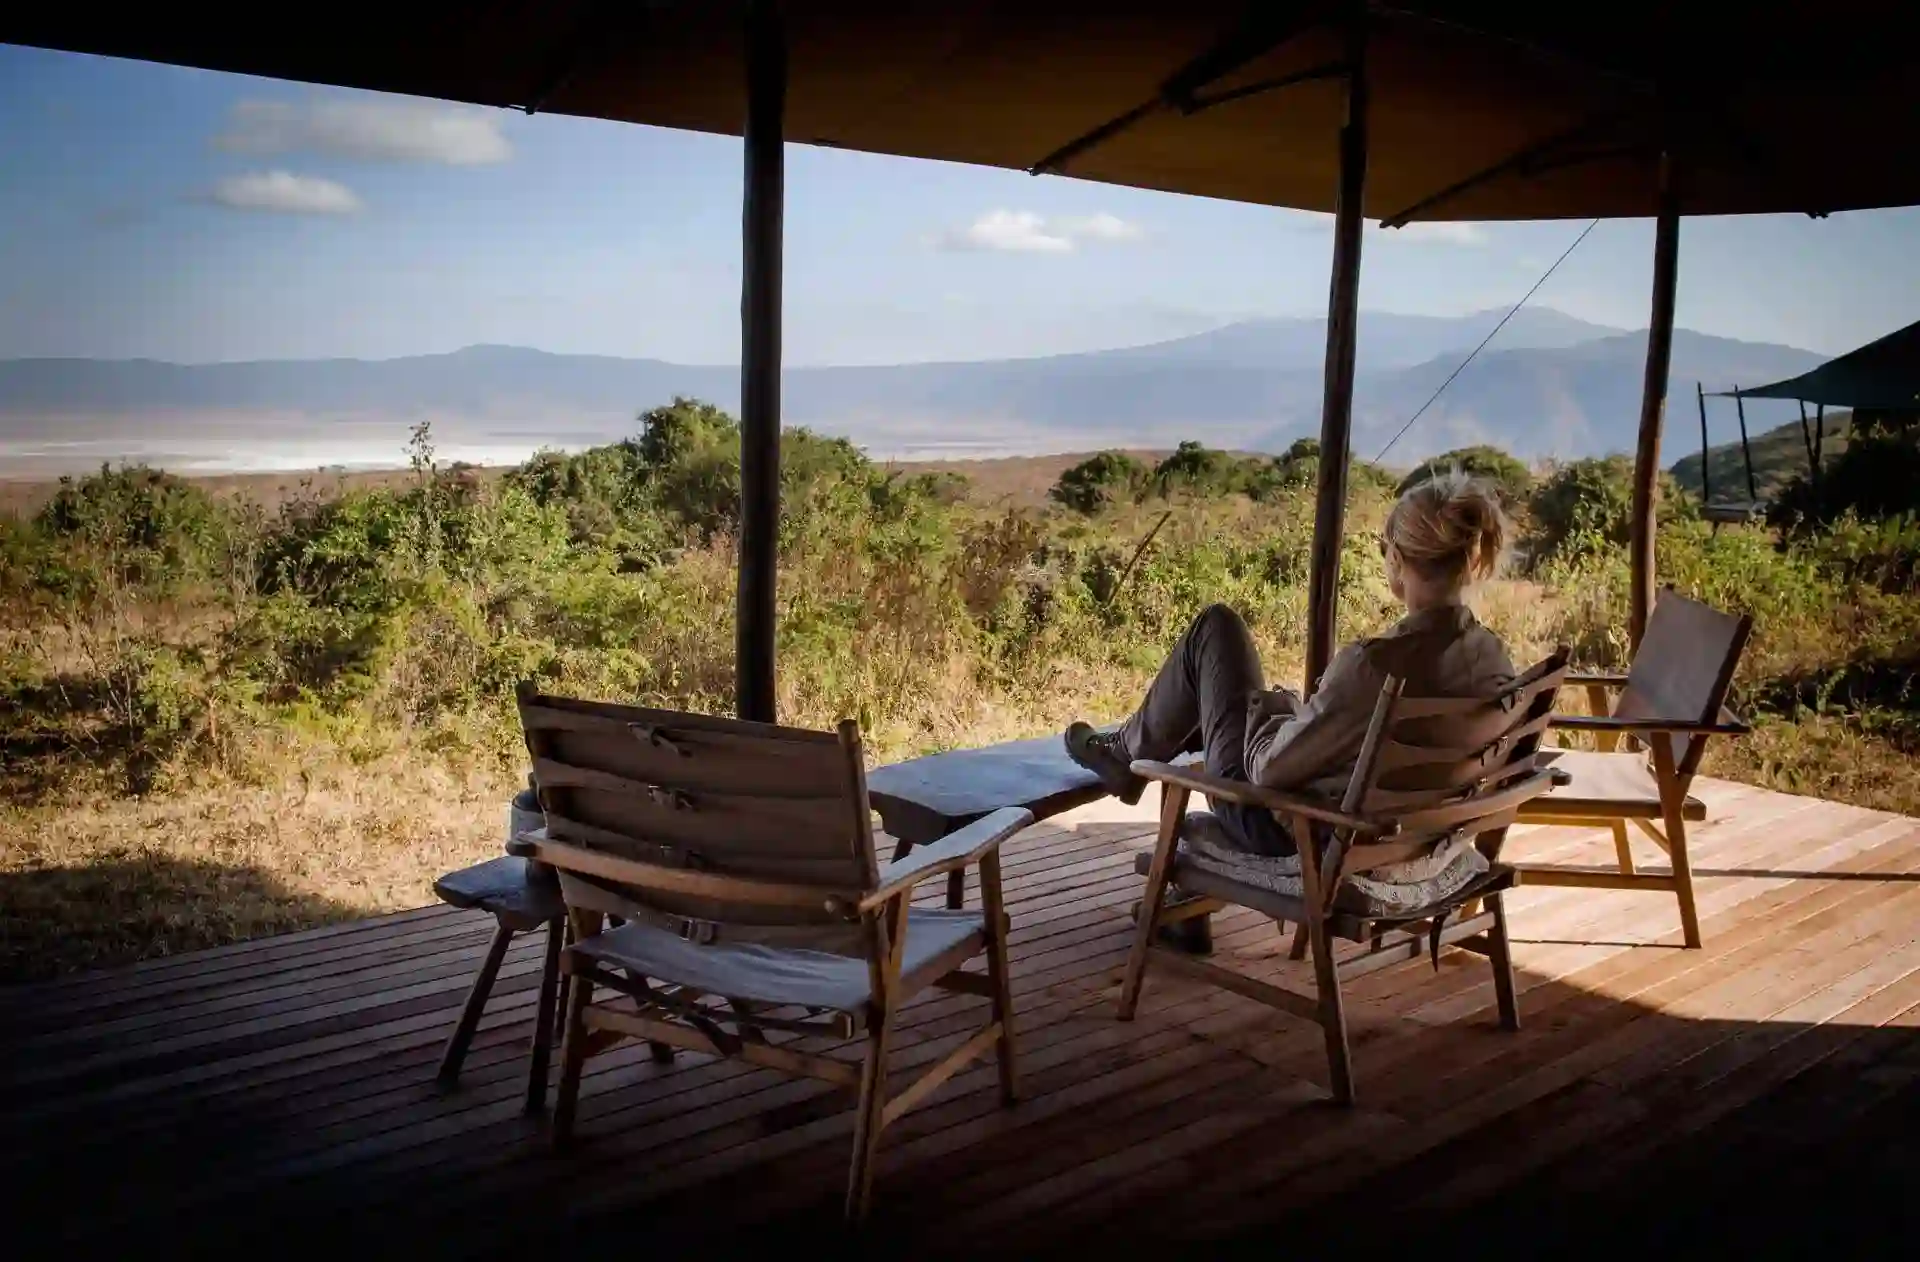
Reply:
x=1727 y=726
x=1247 y=794
x=1606 y=679
x=526 y=845
x=952 y=852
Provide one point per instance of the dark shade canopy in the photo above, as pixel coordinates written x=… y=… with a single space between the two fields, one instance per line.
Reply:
x=1883 y=375
x=1780 y=105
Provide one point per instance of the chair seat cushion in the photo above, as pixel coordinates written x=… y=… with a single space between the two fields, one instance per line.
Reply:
x=1414 y=885
x=505 y=887
x=776 y=974
x=1603 y=786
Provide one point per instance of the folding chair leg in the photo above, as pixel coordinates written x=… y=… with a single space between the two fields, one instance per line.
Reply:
x=543 y=1017
x=1173 y=807
x=867 y=1122
x=462 y=1036
x=1333 y=1017
x=1298 y=951
x=1621 y=847
x=1500 y=956
x=1683 y=879
x=1673 y=797
x=573 y=1059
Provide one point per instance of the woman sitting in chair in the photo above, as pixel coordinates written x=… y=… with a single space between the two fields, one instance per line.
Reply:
x=1441 y=536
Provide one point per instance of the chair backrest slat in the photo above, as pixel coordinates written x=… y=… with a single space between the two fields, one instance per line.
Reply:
x=1434 y=767
x=1683 y=670
x=693 y=792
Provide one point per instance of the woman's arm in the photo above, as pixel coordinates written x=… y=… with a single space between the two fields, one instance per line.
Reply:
x=1288 y=751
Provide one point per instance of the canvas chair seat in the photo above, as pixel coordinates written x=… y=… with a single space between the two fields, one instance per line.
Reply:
x=779 y=975
x=1605 y=786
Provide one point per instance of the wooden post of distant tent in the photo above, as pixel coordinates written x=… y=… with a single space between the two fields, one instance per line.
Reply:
x=1343 y=328
x=1746 y=450
x=761 y=222
x=1819 y=443
x=1653 y=397
x=1706 y=481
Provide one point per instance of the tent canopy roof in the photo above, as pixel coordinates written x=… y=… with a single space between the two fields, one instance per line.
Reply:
x=1793 y=106
x=1882 y=375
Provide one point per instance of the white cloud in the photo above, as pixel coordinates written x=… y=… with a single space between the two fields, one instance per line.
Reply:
x=1026 y=231
x=378 y=130
x=1101 y=227
x=284 y=193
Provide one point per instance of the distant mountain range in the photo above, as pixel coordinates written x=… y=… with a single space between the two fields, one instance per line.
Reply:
x=1549 y=384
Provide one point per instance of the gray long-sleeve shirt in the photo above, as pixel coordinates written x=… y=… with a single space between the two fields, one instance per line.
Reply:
x=1438 y=652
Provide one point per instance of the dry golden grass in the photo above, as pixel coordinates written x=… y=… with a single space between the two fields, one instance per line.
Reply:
x=125 y=878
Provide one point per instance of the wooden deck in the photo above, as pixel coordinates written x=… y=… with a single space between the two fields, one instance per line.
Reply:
x=278 y=1093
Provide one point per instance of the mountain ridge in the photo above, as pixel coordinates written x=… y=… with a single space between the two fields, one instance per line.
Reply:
x=1550 y=385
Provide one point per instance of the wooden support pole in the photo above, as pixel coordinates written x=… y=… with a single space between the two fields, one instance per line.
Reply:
x=1706 y=474
x=1746 y=450
x=762 y=213
x=1343 y=329
x=1653 y=398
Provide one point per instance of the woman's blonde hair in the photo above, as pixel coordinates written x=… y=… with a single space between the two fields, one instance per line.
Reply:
x=1449 y=527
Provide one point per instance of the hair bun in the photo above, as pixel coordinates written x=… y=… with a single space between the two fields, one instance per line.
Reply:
x=1450 y=527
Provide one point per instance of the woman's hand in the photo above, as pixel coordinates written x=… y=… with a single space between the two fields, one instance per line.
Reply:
x=1271 y=703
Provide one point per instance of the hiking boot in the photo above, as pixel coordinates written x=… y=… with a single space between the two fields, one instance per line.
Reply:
x=1094 y=750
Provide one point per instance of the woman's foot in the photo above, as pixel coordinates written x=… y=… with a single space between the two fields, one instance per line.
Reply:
x=1094 y=750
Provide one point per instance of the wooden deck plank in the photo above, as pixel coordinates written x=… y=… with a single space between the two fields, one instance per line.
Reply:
x=245 y=1090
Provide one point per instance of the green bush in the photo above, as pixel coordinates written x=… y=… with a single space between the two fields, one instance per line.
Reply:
x=149 y=528
x=1505 y=472
x=1878 y=475
x=1196 y=469
x=1883 y=554
x=1100 y=481
x=1587 y=505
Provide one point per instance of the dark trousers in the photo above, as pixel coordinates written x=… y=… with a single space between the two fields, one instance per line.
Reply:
x=1199 y=701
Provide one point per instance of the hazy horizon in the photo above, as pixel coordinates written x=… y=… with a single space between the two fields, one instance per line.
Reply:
x=195 y=218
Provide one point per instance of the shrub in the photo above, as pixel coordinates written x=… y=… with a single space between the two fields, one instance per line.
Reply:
x=1512 y=477
x=1200 y=470
x=1100 y=481
x=1878 y=475
x=1586 y=505
x=1884 y=554
x=152 y=528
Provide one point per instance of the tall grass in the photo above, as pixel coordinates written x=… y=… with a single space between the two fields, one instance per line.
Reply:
x=218 y=721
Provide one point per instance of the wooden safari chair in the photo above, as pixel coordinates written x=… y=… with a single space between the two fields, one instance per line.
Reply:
x=1430 y=769
x=1672 y=698
x=739 y=858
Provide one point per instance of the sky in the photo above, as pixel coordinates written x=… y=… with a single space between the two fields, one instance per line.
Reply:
x=184 y=215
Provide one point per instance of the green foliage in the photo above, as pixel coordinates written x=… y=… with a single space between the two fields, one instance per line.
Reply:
x=1878 y=475
x=1884 y=554
x=388 y=616
x=1197 y=469
x=1583 y=506
x=1586 y=506
x=1101 y=481
x=149 y=527
x=1510 y=475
